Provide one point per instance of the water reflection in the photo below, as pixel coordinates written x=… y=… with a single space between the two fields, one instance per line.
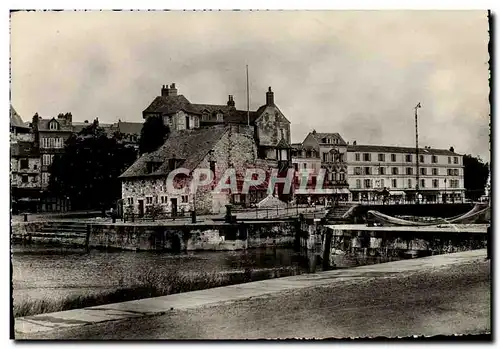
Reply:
x=42 y=272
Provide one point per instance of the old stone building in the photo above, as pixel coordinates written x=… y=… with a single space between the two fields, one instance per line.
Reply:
x=216 y=148
x=269 y=128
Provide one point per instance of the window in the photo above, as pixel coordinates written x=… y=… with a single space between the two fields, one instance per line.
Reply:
x=149 y=200
x=325 y=157
x=35 y=166
x=394 y=183
x=163 y=199
x=368 y=183
x=395 y=171
x=408 y=158
x=382 y=184
x=196 y=122
x=434 y=171
x=449 y=159
x=47 y=159
x=357 y=170
x=455 y=159
x=423 y=171
x=45 y=178
x=219 y=118
x=381 y=157
x=381 y=170
x=24 y=164
x=367 y=171
x=358 y=156
x=409 y=171
x=184 y=199
x=422 y=183
x=130 y=201
x=409 y=183
x=305 y=165
x=358 y=183
x=435 y=183
x=53 y=125
x=341 y=157
x=450 y=172
x=236 y=198
x=342 y=176
x=24 y=178
x=393 y=157
x=434 y=159
x=367 y=157
x=455 y=172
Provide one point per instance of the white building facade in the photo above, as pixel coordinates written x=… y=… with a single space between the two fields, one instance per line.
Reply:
x=376 y=169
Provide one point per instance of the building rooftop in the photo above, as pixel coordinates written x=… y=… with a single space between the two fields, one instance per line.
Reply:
x=322 y=136
x=396 y=149
x=16 y=120
x=187 y=147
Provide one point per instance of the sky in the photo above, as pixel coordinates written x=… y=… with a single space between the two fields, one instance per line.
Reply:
x=359 y=73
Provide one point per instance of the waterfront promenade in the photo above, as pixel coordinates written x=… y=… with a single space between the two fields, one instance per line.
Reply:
x=439 y=295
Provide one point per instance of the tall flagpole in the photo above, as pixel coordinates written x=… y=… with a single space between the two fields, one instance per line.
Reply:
x=248 y=101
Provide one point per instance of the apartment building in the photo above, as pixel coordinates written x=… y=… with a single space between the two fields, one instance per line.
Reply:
x=373 y=169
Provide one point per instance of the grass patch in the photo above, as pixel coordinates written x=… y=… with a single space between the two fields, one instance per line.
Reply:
x=151 y=283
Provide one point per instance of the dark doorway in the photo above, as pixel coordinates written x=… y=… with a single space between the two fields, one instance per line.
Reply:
x=174 y=206
x=187 y=122
x=141 y=208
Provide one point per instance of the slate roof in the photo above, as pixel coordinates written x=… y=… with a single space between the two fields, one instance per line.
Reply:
x=320 y=135
x=23 y=149
x=191 y=146
x=79 y=126
x=128 y=127
x=15 y=119
x=170 y=105
x=395 y=149
x=64 y=125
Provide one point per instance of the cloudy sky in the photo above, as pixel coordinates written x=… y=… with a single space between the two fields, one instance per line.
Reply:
x=358 y=73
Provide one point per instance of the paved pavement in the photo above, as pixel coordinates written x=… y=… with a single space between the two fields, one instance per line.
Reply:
x=444 y=294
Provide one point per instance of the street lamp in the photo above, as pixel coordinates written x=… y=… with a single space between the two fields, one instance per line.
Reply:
x=416 y=150
x=445 y=195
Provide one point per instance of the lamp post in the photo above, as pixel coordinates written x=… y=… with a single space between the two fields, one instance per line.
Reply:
x=416 y=151
x=445 y=191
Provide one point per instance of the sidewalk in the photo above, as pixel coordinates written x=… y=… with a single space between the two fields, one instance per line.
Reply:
x=199 y=299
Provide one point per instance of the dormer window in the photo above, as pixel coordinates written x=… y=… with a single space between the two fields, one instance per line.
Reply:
x=153 y=166
x=53 y=125
x=220 y=117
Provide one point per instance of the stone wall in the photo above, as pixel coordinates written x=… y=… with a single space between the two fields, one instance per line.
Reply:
x=269 y=126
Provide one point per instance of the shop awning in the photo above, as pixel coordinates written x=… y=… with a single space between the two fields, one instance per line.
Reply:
x=342 y=191
x=397 y=193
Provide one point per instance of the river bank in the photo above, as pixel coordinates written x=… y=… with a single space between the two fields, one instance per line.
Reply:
x=47 y=279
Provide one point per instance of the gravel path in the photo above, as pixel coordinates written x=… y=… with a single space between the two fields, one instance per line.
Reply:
x=440 y=301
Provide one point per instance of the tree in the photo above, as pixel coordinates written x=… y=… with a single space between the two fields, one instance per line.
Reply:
x=153 y=134
x=475 y=176
x=87 y=171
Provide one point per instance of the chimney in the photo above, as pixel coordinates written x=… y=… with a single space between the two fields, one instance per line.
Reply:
x=172 y=91
x=230 y=101
x=164 y=91
x=452 y=149
x=354 y=143
x=68 y=117
x=269 y=97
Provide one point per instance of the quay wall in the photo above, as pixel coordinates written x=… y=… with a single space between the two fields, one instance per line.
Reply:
x=157 y=236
